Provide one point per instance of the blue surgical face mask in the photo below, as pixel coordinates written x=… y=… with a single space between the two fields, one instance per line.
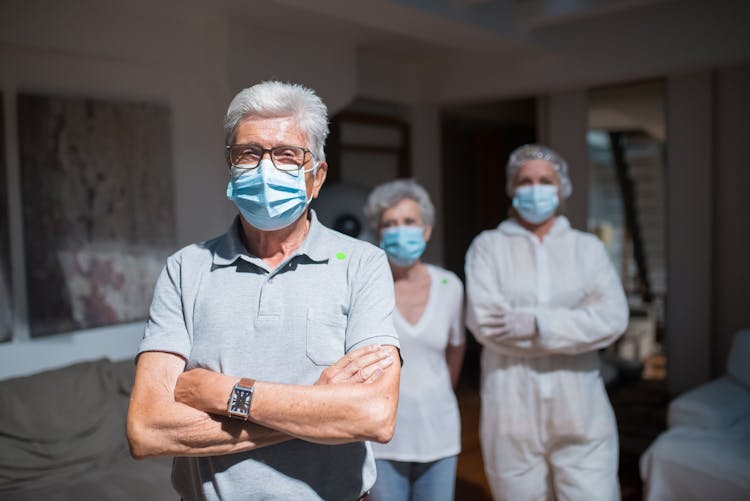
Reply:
x=268 y=198
x=536 y=203
x=403 y=244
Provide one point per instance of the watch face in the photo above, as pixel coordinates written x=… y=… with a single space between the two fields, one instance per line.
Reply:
x=241 y=401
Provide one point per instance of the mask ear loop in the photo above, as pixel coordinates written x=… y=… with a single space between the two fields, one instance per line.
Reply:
x=314 y=170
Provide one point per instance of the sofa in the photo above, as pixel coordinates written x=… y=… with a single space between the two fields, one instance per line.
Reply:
x=62 y=437
x=705 y=452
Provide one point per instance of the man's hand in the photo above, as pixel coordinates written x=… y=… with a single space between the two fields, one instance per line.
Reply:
x=363 y=365
x=511 y=325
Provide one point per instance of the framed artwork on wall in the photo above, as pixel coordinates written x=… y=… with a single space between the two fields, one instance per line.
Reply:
x=6 y=304
x=98 y=218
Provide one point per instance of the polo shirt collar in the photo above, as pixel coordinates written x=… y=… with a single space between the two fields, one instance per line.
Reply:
x=315 y=245
x=231 y=247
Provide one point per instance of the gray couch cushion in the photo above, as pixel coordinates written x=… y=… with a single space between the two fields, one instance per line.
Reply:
x=126 y=480
x=718 y=405
x=60 y=424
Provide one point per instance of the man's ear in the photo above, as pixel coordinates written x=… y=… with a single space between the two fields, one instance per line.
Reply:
x=319 y=178
x=427 y=233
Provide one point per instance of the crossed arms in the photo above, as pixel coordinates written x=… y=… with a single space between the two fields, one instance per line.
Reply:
x=177 y=413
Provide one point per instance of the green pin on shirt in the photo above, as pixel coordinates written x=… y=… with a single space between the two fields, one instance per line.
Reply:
x=444 y=281
x=340 y=256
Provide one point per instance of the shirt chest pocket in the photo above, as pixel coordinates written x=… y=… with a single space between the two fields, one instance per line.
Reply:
x=325 y=337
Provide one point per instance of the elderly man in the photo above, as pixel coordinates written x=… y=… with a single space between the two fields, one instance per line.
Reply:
x=268 y=358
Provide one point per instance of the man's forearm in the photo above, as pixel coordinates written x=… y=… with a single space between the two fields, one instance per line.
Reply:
x=159 y=426
x=184 y=431
x=328 y=414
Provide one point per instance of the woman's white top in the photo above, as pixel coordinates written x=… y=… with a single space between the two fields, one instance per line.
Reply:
x=428 y=425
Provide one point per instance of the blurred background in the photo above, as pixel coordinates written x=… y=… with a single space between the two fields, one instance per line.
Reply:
x=112 y=157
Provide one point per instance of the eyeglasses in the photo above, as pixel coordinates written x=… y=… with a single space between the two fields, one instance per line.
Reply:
x=285 y=158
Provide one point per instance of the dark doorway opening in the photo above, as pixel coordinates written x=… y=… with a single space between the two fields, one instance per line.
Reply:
x=477 y=140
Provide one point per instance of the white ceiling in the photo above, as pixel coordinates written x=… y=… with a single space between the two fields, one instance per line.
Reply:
x=481 y=49
x=428 y=28
x=449 y=51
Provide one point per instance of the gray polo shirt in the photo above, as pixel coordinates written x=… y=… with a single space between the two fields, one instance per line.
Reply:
x=225 y=310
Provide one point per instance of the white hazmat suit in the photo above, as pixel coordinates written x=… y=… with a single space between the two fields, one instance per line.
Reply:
x=547 y=426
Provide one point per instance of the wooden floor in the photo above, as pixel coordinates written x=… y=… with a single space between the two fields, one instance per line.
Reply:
x=471 y=483
x=640 y=409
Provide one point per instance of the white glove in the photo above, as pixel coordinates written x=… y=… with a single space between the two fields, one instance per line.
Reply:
x=511 y=325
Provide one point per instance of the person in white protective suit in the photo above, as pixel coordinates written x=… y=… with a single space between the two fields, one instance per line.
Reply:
x=542 y=298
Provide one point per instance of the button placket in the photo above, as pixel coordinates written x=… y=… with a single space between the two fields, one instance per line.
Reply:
x=270 y=300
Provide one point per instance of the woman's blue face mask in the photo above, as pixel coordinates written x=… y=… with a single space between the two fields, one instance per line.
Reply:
x=403 y=244
x=536 y=203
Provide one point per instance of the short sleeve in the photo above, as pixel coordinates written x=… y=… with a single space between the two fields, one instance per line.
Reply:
x=370 y=319
x=166 y=329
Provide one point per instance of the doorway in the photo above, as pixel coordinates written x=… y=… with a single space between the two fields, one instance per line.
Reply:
x=476 y=142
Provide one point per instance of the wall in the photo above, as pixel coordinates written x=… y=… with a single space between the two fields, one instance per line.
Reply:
x=176 y=58
x=708 y=116
x=562 y=125
x=193 y=58
x=323 y=62
x=689 y=230
x=732 y=228
x=426 y=161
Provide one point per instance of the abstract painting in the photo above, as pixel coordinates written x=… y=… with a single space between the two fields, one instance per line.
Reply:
x=98 y=220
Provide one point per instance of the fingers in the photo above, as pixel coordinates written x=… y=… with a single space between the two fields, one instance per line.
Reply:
x=354 y=356
x=358 y=366
x=372 y=372
x=363 y=365
x=343 y=367
x=495 y=331
x=497 y=334
x=497 y=316
x=374 y=376
x=506 y=334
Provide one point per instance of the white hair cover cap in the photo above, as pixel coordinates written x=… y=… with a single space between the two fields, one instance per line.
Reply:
x=537 y=152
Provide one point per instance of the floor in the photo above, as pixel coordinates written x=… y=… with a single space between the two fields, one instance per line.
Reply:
x=640 y=408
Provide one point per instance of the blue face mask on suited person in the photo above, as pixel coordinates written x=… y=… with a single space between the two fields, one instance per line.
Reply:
x=536 y=203
x=269 y=199
x=403 y=244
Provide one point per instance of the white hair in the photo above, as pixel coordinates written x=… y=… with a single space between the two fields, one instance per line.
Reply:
x=528 y=152
x=272 y=99
x=388 y=194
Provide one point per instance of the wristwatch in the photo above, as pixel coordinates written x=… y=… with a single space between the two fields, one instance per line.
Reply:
x=239 y=401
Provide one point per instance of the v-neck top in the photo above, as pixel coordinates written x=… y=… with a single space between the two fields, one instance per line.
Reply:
x=428 y=426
